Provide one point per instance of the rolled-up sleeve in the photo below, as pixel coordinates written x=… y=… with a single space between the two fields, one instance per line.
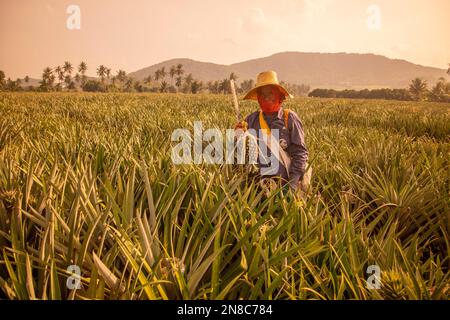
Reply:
x=297 y=149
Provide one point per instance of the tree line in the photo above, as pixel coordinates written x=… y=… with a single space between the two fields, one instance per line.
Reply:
x=173 y=80
x=417 y=91
x=61 y=78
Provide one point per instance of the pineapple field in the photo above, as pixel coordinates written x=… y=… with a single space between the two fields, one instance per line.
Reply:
x=92 y=206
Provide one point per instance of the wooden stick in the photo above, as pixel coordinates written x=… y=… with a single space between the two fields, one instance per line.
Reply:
x=235 y=100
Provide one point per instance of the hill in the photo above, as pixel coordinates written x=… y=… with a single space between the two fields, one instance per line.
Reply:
x=331 y=70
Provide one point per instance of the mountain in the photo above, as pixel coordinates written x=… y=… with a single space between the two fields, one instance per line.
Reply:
x=325 y=70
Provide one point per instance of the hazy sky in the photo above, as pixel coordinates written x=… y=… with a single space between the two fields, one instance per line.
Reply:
x=132 y=34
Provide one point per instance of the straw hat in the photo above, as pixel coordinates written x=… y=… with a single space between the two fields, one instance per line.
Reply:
x=266 y=78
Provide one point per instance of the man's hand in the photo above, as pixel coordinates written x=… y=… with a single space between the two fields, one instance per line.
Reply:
x=302 y=183
x=295 y=181
x=240 y=128
x=241 y=125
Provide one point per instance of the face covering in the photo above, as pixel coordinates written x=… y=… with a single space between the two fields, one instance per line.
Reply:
x=268 y=106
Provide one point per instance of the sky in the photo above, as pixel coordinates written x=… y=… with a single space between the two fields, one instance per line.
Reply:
x=134 y=34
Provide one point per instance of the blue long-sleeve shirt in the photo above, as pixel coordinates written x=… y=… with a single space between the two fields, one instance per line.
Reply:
x=295 y=138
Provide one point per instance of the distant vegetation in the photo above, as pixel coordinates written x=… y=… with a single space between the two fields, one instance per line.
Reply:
x=61 y=78
x=175 y=80
x=417 y=91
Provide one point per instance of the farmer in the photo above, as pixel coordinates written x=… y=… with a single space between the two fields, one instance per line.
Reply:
x=270 y=96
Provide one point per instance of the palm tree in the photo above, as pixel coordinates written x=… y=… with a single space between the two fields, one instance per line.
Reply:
x=59 y=73
x=82 y=70
x=26 y=79
x=67 y=68
x=160 y=74
x=163 y=87
x=121 y=75
x=47 y=79
x=163 y=72
x=82 y=67
x=196 y=86
x=77 y=77
x=188 y=83
x=138 y=86
x=101 y=72
x=178 y=82
x=129 y=84
x=148 y=80
x=157 y=75
x=418 y=88
x=180 y=70
x=188 y=79
x=224 y=86
x=108 y=73
x=233 y=76
x=438 y=91
x=172 y=73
